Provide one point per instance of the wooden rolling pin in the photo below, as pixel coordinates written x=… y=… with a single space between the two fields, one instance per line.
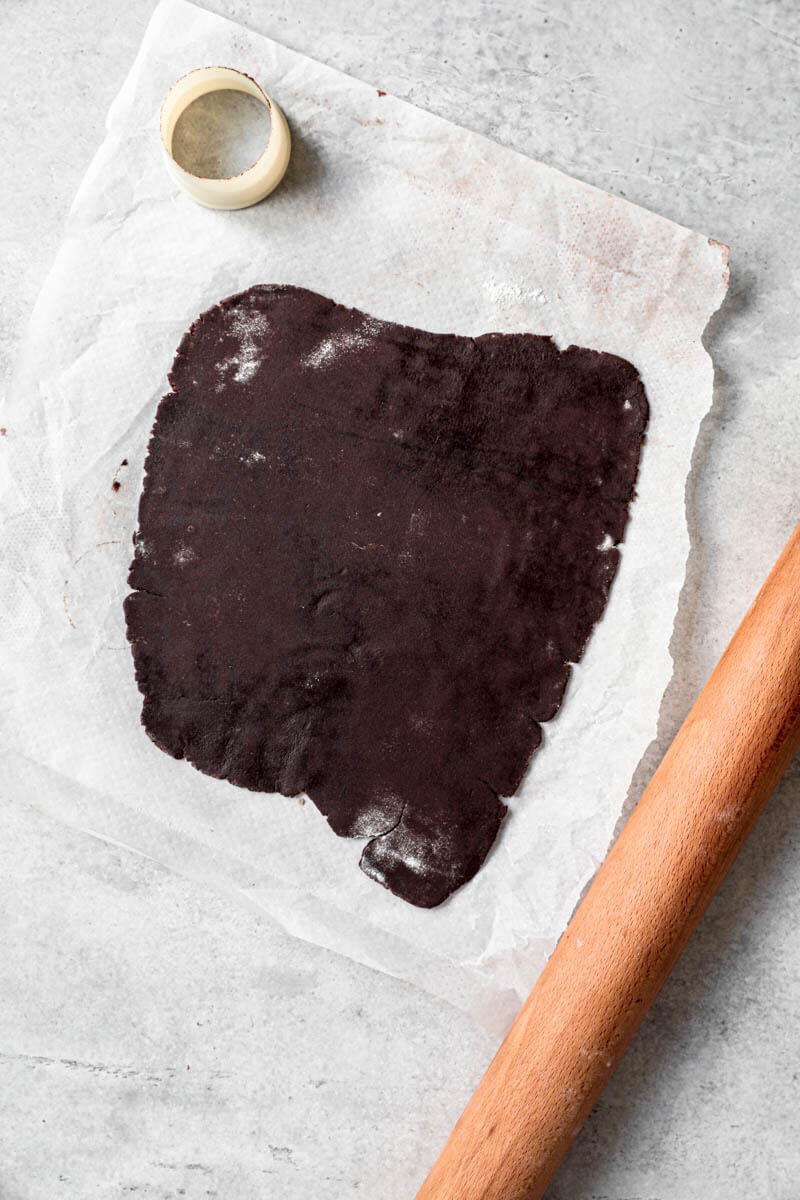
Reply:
x=639 y=913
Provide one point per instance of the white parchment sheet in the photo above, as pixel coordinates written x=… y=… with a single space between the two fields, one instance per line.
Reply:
x=411 y=219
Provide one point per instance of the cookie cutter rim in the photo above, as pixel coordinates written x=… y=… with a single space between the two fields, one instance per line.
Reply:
x=257 y=180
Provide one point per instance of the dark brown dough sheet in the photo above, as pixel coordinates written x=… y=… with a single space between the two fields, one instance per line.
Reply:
x=366 y=557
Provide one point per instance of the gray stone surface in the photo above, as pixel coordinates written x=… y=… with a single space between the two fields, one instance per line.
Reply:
x=157 y=1041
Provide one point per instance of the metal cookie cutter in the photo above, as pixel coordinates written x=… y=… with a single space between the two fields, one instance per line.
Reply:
x=252 y=185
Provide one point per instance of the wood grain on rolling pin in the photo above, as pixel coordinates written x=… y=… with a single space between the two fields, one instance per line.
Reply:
x=638 y=914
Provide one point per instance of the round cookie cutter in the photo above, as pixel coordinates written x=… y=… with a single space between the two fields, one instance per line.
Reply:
x=250 y=186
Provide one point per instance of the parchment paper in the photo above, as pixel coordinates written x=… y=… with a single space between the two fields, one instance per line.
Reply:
x=414 y=220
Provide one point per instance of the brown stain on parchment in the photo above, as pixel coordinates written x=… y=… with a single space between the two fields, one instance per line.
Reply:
x=65 y=590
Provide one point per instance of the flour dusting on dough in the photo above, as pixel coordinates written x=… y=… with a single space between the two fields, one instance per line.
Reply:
x=377 y=819
x=332 y=348
x=404 y=849
x=248 y=326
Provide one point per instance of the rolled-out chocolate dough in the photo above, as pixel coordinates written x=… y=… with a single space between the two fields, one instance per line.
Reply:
x=366 y=557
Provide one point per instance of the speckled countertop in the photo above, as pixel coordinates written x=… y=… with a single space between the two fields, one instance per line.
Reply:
x=162 y=1042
